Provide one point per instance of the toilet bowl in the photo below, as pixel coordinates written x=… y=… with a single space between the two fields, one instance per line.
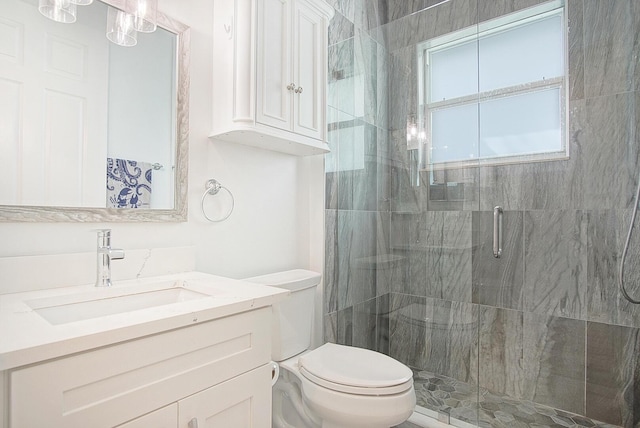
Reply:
x=333 y=385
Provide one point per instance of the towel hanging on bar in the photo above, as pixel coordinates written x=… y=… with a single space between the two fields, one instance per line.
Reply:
x=128 y=183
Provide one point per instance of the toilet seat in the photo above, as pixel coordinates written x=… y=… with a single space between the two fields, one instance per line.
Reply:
x=355 y=371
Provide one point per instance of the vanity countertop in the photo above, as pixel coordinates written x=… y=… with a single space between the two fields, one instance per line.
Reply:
x=27 y=337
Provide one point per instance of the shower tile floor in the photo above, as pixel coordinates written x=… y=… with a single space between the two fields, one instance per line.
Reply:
x=459 y=400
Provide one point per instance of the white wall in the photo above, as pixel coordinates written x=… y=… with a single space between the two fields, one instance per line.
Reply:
x=278 y=197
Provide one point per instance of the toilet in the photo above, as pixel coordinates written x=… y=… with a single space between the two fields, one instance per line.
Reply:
x=333 y=385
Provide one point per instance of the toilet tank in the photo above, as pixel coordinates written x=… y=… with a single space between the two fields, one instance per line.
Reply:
x=292 y=317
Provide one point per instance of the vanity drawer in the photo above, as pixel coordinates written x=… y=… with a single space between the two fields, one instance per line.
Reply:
x=111 y=385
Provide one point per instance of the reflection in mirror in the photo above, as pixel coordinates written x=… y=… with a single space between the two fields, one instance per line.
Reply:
x=91 y=129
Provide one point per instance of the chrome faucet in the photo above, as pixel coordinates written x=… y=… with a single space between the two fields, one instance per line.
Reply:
x=105 y=255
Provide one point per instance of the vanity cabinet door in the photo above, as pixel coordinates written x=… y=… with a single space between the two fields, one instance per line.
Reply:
x=241 y=402
x=109 y=386
x=167 y=417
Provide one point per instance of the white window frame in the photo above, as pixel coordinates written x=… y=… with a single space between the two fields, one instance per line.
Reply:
x=425 y=109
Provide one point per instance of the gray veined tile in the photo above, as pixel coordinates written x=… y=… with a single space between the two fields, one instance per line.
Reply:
x=341 y=76
x=367 y=14
x=613 y=374
x=330 y=283
x=554 y=361
x=332 y=159
x=382 y=324
x=340 y=29
x=555 y=257
x=402 y=88
x=500 y=351
x=606 y=235
x=575 y=31
x=402 y=229
x=443 y=243
x=331 y=327
x=365 y=78
x=610 y=162
x=397 y=9
x=391 y=263
x=382 y=86
x=429 y=23
x=450 y=338
x=608 y=48
x=344 y=329
x=498 y=282
x=404 y=193
x=356 y=245
x=401 y=335
x=345 y=7
x=384 y=166
x=364 y=324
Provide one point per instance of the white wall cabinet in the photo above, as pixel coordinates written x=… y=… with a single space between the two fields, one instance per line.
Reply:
x=216 y=372
x=270 y=74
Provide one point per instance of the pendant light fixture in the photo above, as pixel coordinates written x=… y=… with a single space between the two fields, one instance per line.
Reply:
x=145 y=14
x=58 y=10
x=120 y=27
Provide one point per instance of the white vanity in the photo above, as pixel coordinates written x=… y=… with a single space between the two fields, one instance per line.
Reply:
x=170 y=351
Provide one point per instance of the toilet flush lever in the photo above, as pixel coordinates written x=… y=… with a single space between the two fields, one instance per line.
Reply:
x=193 y=423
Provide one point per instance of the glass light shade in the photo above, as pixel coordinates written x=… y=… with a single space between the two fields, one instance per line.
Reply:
x=145 y=13
x=58 y=10
x=120 y=28
x=82 y=2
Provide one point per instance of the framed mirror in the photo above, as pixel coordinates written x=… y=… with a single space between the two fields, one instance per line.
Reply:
x=91 y=131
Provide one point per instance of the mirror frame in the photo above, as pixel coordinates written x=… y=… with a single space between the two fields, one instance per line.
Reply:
x=37 y=214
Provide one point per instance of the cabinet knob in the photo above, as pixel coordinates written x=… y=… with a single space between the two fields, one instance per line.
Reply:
x=291 y=86
x=193 y=423
x=298 y=90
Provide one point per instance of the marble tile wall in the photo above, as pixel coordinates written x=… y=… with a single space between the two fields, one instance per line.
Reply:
x=356 y=304
x=410 y=270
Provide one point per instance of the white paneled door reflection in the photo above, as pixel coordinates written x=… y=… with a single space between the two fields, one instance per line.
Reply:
x=53 y=104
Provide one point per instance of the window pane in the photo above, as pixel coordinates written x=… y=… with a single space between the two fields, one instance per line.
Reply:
x=454 y=134
x=527 y=53
x=522 y=124
x=453 y=71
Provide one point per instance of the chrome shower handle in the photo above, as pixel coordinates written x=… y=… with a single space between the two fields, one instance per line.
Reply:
x=497 y=232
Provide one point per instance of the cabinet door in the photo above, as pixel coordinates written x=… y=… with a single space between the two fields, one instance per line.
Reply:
x=108 y=386
x=167 y=417
x=241 y=402
x=274 y=64
x=309 y=70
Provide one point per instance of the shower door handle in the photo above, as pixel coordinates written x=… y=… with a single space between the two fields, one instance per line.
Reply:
x=497 y=232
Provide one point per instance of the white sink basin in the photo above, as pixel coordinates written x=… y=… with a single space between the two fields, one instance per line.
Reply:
x=102 y=302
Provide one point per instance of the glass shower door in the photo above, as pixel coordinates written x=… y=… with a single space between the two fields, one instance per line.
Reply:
x=433 y=181
x=556 y=152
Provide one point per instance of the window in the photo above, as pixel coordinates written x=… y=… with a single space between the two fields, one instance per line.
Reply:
x=497 y=93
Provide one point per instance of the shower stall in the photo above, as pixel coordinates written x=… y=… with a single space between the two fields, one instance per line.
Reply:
x=480 y=189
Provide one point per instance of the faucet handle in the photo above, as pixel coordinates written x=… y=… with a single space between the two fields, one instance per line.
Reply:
x=116 y=253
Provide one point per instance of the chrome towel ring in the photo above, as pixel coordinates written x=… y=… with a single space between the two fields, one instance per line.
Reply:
x=213 y=187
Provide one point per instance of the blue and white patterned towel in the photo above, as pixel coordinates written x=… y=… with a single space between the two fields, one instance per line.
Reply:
x=128 y=184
